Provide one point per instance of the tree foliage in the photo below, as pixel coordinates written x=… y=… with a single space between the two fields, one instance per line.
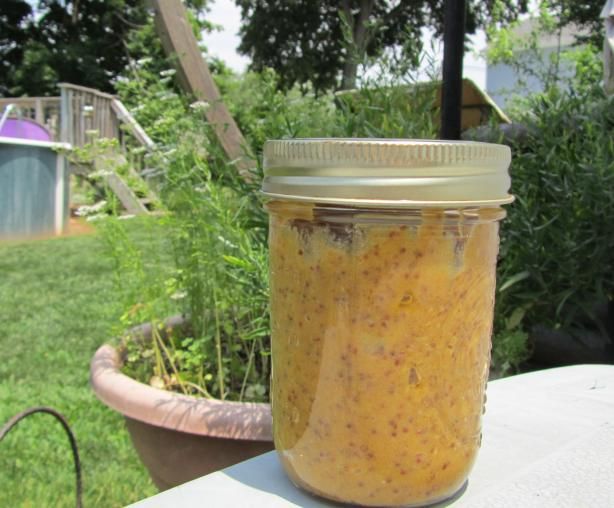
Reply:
x=13 y=13
x=585 y=15
x=323 y=42
x=85 y=42
x=79 y=41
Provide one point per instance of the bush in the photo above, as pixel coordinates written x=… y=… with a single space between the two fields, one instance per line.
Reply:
x=557 y=243
x=217 y=227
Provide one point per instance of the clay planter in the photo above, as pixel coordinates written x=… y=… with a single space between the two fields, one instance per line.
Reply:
x=180 y=437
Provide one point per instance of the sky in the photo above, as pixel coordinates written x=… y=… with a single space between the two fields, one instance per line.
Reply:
x=223 y=44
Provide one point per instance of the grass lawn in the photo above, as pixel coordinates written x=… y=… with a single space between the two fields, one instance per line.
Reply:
x=57 y=306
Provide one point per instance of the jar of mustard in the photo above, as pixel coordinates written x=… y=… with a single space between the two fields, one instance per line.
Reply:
x=382 y=271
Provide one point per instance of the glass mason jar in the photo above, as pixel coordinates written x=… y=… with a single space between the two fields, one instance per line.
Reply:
x=382 y=272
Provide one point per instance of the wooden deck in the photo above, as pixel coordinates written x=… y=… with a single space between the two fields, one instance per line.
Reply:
x=81 y=116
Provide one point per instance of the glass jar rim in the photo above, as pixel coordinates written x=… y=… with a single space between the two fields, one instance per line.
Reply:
x=387 y=172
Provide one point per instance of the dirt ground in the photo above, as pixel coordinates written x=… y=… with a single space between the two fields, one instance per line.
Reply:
x=78 y=226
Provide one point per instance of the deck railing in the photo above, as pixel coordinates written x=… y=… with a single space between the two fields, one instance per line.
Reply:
x=88 y=113
x=44 y=110
x=85 y=115
x=80 y=115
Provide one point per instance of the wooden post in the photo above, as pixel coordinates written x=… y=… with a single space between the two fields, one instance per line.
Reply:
x=65 y=115
x=178 y=40
x=39 y=114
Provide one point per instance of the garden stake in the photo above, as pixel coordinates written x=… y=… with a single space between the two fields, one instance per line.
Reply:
x=71 y=437
x=453 y=49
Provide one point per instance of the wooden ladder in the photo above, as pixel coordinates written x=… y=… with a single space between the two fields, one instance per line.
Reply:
x=134 y=204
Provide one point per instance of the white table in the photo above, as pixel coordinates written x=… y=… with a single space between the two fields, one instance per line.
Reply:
x=548 y=442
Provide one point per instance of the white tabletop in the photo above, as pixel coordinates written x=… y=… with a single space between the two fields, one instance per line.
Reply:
x=548 y=441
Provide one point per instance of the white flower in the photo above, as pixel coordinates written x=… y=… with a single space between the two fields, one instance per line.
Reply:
x=100 y=173
x=144 y=61
x=98 y=206
x=94 y=218
x=226 y=242
x=166 y=96
x=138 y=150
x=168 y=72
x=200 y=106
x=178 y=295
x=89 y=210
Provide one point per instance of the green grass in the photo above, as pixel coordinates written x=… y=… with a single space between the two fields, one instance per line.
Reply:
x=57 y=306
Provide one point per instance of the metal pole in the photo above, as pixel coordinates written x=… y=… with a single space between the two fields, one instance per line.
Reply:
x=453 y=49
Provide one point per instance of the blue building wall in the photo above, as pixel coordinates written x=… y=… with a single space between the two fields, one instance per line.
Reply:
x=503 y=82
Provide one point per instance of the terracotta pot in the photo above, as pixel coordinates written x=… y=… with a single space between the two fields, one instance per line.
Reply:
x=180 y=437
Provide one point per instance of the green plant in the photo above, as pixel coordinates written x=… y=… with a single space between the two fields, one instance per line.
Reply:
x=217 y=233
x=216 y=225
x=556 y=244
x=389 y=110
x=264 y=112
x=219 y=280
x=523 y=52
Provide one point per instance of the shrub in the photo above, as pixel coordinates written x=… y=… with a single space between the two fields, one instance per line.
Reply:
x=556 y=258
x=217 y=228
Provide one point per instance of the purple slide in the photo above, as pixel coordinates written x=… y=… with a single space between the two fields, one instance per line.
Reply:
x=24 y=129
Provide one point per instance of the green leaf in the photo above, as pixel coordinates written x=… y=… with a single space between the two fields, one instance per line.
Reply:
x=232 y=260
x=516 y=318
x=514 y=279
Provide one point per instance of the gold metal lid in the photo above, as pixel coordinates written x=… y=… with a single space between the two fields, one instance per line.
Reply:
x=387 y=172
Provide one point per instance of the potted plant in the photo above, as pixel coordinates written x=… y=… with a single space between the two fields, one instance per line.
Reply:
x=178 y=437
x=193 y=388
x=206 y=259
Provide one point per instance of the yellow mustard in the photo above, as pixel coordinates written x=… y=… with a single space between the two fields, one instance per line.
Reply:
x=381 y=329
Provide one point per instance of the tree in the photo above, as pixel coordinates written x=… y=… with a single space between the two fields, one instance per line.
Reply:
x=584 y=14
x=85 y=42
x=319 y=42
x=80 y=41
x=13 y=14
